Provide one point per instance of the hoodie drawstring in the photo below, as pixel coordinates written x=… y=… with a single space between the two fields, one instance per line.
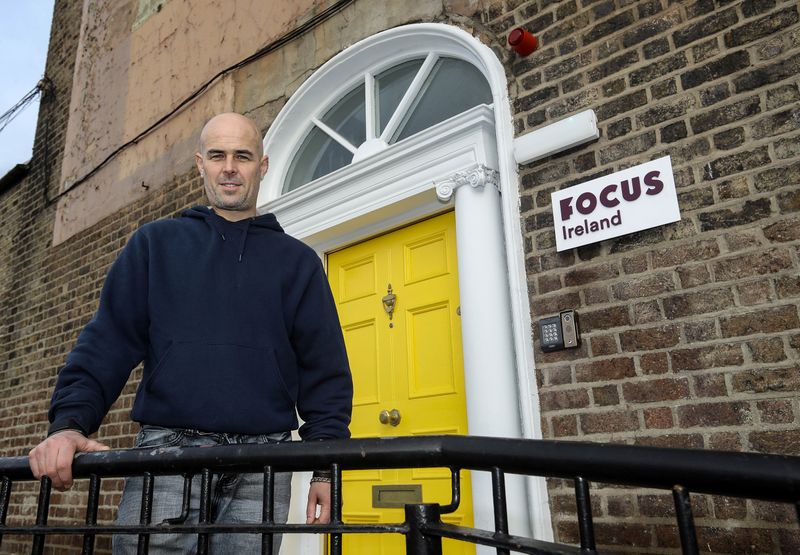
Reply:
x=245 y=231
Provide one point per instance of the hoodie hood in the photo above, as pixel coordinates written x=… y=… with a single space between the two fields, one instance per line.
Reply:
x=244 y=226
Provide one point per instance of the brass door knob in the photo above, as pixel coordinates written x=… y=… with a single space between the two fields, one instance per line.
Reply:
x=391 y=417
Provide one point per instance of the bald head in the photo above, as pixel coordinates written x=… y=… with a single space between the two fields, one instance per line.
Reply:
x=227 y=122
x=232 y=164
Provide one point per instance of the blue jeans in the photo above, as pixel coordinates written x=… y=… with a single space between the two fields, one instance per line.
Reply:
x=236 y=498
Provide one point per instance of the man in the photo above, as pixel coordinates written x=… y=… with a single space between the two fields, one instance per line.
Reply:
x=238 y=331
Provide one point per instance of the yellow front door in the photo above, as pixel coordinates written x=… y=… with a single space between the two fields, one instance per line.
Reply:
x=397 y=297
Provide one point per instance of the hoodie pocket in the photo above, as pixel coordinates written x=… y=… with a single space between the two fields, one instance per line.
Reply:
x=224 y=382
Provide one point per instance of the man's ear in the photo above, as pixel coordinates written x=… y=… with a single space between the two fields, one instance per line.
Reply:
x=198 y=160
x=264 y=165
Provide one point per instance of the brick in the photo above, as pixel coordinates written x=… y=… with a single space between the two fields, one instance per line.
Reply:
x=782 y=442
x=608 y=26
x=701 y=358
x=628 y=147
x=693 y=276
x=788 y=286
x=769 y=349
x=564 y=399
x=654 y=363
x=705 y=28
x=691 y=252
x=766 y=380
x=671 y=441
x=777 y=177
x=757 y=292
x=646 y=286
x=713 y=414
x=569 y=28
x=714 y=70
x=609 y=422
x=730 y=139
x=710 y=385
x=782 y=96
x=658 y=69
x=789 y=201
x=557 y=375
x=770 y=320
x=658 y=418
x=605 y=370
x=650 y=29
x=618 y=128
x=730 y=508
x=565 y=426
x=750 y=212
x=652 y=391
x=605 y=396
x=603 y=345
x=742 y=239
x=737 y=187
x=714 y=94
x=752 y=264
x=621 y=105
x=736 y=540
x=673 y=132
x=724 y=115
x=776 y=411
x=783 y=513
x=604 y=319
x=777 y=124
x=647 y=312
x=620 y=506
x=701 y=302
x=737 y=163
x=590 y=274
x=596 y=295
x=663 y=89
x=536 y=99
x=655 y=48
x=767 y=75
x=752 y=8
x=760 y=28
x=564 y=67
x=647 y=339
x=667 y=111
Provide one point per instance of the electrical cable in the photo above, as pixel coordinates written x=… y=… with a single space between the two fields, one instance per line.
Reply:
x=278 y=43
x=18 y=108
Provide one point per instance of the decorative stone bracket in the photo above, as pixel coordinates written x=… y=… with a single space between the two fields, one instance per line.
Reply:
x=479 y=176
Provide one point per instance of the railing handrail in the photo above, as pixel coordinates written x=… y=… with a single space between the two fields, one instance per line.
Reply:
x=735 y=474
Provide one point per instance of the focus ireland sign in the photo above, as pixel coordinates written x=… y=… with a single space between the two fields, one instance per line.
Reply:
x=617 y=204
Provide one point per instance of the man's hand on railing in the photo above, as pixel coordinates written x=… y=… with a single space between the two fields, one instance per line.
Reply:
x=319 y=493
x=53 y=456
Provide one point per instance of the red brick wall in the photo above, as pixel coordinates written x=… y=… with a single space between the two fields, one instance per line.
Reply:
x=691 y=335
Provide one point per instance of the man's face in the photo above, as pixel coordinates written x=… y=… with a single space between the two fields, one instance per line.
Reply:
x=232 y=165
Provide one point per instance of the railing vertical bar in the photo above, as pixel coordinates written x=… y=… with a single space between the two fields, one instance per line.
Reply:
x=268 y=509
x=500 y=508
x=205 y=511
x=585 y=523
x=455 y=492
x=336 y=507
x=683 y=513
x=145 y=512
x=42 y=509
x=5 y=497
x=92 y=504
x=417 y=541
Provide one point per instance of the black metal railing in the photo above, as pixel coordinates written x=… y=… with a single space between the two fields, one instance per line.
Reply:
x=748 y=475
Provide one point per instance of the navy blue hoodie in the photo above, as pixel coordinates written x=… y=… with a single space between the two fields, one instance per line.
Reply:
x=235 y=324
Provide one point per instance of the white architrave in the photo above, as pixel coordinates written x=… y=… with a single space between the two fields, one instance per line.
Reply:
x=397 y=186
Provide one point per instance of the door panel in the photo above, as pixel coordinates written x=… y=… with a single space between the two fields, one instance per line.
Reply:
x=410 y=361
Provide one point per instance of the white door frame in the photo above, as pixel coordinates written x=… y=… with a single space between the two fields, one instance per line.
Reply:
x=466 y=162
